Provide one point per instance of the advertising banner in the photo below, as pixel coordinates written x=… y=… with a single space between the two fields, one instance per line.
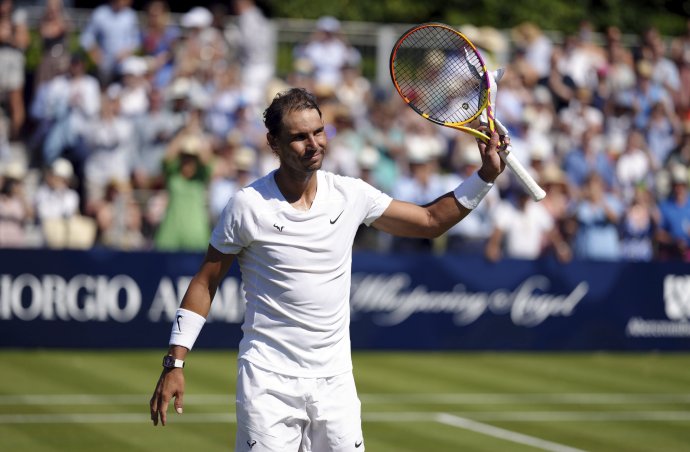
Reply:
x=108 y=299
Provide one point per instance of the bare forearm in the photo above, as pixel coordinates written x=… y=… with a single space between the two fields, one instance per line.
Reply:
x=198 y=297
x=405 y=219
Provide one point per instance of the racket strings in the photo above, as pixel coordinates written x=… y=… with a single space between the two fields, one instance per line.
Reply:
x=440 y=75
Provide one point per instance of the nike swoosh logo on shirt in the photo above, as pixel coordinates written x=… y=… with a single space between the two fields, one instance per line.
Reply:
x=336 y=218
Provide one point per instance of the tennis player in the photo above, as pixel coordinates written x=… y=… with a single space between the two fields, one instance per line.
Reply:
x=292 y=233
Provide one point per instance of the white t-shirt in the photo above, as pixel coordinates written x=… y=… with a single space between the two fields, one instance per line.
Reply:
x=296 y=271
x=525 y=229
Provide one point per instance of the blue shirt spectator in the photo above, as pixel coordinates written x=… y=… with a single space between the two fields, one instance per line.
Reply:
x=597 y=216
x=579 y=163
x=674 y=234
x=111 y=35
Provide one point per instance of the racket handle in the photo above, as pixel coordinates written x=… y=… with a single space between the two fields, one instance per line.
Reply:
x=525 y=178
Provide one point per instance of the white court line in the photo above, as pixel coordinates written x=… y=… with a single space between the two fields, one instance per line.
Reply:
x=372 y=417
x=500 y=433
x=506 y=398
x=409 y=399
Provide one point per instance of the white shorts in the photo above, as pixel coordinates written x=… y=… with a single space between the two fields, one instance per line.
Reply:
x=279 y=413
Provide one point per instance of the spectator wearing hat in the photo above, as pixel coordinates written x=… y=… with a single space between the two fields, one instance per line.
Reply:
x=57 y=209
x=236 y=173
x=132 y=90
x=673 y=234
x=187 y=169
x=421 y=185
x=111 y=35
x=366 y=238
x=536 y=46
x=328 y=52
x=15 y=209
x=55 y=197
x=558 y=203
x=202 y=45
x=646 y=93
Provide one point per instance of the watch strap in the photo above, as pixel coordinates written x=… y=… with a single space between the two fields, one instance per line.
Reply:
x=171 y=362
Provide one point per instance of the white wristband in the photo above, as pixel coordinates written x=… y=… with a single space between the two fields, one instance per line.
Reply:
x=186 y=328
x=472 y=190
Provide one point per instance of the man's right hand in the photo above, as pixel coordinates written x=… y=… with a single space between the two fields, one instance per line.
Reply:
x=170 y=384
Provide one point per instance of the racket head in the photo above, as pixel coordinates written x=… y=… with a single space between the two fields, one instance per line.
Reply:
x=440 y=74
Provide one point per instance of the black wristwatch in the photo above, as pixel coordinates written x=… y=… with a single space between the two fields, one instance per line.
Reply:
x=170 y=362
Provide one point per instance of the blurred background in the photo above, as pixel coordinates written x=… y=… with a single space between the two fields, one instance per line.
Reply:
x=125 y=127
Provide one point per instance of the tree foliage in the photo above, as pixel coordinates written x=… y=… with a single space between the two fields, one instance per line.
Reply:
x=631 y=16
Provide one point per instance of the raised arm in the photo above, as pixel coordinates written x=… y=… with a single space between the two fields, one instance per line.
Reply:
x=194 y=307
x=431 y=220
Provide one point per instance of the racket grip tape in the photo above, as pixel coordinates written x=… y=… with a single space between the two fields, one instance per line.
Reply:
x=526 y=180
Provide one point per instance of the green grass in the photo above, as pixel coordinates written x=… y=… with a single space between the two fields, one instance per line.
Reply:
x=412 y=402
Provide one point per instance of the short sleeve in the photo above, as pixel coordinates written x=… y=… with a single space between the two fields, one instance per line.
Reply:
x=233 y=232
x=375 y=200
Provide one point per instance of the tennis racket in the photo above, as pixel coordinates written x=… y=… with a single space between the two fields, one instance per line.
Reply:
x=442 y=76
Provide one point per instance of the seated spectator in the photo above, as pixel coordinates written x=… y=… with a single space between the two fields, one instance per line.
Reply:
x=469 y=236
x=15 y=209
x=133 y=88
x=108 y=143
x=523 y=229
x=202 y=45
x=673 y=234
x=663 y=134
x=119 y=218
x=239 y=173
x=597 y=214
x=62 y=106
x=228 y=97
x=354 y=91
x=634 y=166
x=166 y=116
x=55 y=197
x=639 y=224
x=187 y=167
x=590 y=157
x=57 y=210
x=328 y=52
x=558 y=201
x=420 y=186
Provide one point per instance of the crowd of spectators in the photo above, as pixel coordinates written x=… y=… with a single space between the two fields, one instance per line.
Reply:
x=140 y=134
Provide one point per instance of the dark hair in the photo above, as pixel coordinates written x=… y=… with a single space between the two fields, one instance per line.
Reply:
x=294 y=99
